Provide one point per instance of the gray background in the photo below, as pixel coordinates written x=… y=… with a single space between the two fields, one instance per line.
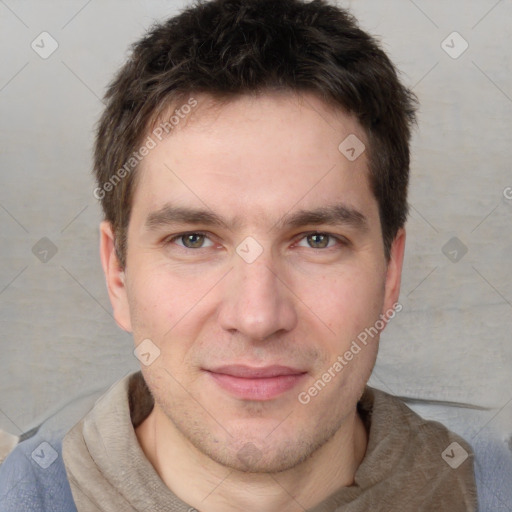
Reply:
x=451 y=342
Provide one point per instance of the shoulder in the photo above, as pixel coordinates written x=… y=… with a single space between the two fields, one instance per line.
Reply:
x=421 y=434
x=493 y=472
x=33 y=477
x=491 y=456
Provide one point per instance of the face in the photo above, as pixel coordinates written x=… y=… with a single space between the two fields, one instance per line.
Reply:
x=255 y=259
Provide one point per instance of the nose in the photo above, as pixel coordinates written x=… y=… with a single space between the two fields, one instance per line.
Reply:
x=257 y=302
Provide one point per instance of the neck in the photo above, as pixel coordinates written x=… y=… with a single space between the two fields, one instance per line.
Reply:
x=210 y=487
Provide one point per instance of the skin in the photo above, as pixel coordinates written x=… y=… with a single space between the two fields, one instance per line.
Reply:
x=299 y=304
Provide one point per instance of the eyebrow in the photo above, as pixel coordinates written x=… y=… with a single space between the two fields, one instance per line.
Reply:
x=335 y=215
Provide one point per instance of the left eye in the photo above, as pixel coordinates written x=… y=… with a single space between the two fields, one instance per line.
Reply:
x=191 y=240
x=320 y=240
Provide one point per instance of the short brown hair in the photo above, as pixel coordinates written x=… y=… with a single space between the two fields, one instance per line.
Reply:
x=228 y=48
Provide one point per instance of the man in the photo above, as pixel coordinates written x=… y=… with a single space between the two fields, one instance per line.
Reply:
x=252 y=164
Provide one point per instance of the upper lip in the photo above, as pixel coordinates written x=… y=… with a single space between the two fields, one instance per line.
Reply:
x=251 y=372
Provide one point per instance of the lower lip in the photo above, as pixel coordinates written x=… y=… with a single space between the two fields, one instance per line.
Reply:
x=257 y=389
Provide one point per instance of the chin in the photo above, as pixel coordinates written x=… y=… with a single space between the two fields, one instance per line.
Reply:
x=265 y=455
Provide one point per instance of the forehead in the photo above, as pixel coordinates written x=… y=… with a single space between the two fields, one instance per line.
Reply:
x=255 y=157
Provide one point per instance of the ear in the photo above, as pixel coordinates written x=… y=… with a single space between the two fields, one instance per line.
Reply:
x=394 y=271
x=115 y=277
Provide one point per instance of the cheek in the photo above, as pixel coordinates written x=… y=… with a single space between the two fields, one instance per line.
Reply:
x=166 y=307
x=154 y=302
x=347 y=301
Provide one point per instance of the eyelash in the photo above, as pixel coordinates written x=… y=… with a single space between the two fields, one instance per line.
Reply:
x=341 y=240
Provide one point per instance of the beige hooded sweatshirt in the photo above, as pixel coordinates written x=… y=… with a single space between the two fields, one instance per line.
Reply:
x=410 y=465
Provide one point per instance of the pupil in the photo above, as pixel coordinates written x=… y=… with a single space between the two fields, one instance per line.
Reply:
x=321 y=242
x=190 y=239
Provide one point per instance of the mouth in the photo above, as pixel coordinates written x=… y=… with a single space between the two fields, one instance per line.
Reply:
x=256 y=383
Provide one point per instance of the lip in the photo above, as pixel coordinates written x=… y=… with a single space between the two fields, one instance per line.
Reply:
x=252 y=372
x=256 y=383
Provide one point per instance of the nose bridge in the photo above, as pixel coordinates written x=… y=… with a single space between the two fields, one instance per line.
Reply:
x=257 y=280
x=257 y=303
